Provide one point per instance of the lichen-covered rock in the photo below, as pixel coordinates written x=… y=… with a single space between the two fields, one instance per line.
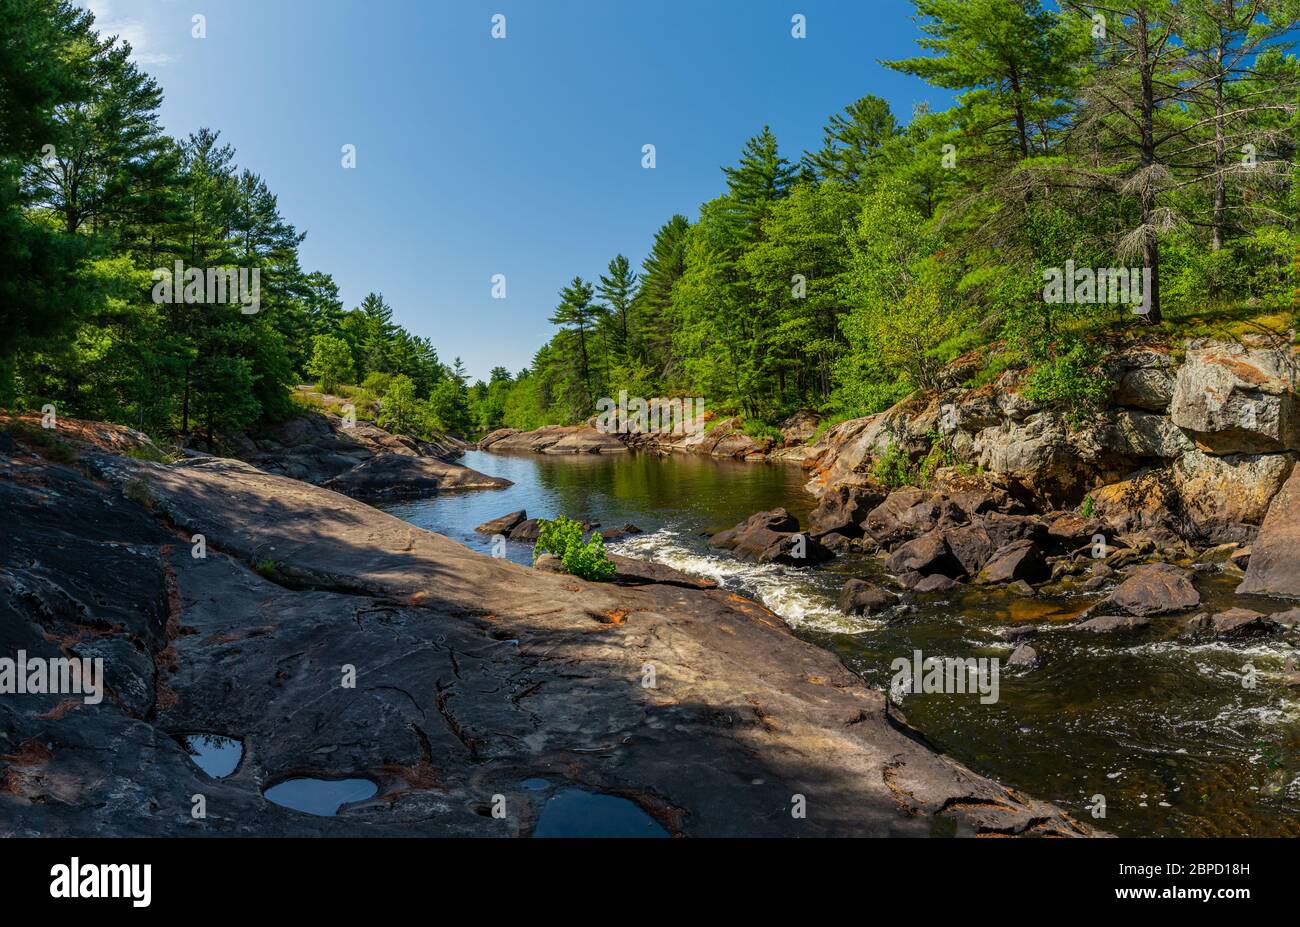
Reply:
x=1239 y=398
x=1226 y=498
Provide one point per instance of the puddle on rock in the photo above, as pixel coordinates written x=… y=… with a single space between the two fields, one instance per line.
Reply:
x=321 y=797
x=575 y=813
x=216 y=755
x=536 y=784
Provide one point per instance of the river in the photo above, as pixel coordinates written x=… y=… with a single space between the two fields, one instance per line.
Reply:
x=1164 y=730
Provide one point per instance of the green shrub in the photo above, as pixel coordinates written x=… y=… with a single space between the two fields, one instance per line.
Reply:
x=267 y=568
x=759 y=430
x=892 y=468
x=1071 y=383
x=1089 y=507
x=562 y=537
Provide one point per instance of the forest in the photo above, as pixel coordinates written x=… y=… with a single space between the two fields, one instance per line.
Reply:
x=1141 y=134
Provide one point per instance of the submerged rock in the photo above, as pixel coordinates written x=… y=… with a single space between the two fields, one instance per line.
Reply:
x=1110 y=624
x=1023 y=657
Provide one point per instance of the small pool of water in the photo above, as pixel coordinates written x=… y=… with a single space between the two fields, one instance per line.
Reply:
x=216 y=755
x=321 y=797
x=576 y=813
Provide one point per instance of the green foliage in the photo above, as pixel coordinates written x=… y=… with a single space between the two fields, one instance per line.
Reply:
x=893 y=468
x=756 y=428
x=1072 y=383
x=331 y=360
x=562 y=537
x=1089 y=507
x=400 y=410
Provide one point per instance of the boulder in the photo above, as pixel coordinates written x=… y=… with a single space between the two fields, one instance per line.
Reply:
x=1154 y=589
x=1070 y=530
x=772 y=537
x=619 y=531
x=1242 y=622
x=1140 y=434
x=527 y=530
x=1275 y=554
x=935 y=582
x=1018 y=561
x=885 y=523
x=503 y=525
x=842 y=510
x=1238 y=398
x=971 y=546
x=859 y=597
x=925 y=555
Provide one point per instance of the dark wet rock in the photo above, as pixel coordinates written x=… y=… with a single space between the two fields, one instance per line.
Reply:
x=925 y=555
x=397 y=476
x=772 y=537
x=1004 y=529
x=1021 y=587
x=505 y=524
x=1155 y=589
x=908 y=580
x=1234 y=622
x=837 y=542
x=1023 y=657
x=1095 y=583
x=842 y=510
x=859 y=597
x=469 y=673
x=935 y=582
x=527 y=530
x=1071 y=531
x=971 y=546
x=1111 y=624
x=1017 y=561
x=894 y=520
x=1275 y=555
x=627 y=529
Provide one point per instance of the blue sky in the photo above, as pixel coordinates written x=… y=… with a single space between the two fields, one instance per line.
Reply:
x=522 y=156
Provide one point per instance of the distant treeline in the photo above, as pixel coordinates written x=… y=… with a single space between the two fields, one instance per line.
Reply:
x=1142 y=134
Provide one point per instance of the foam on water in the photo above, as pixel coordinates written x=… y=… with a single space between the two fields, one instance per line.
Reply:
x=769 y=583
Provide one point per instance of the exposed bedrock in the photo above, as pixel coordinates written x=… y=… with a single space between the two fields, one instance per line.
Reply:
x=469 y=674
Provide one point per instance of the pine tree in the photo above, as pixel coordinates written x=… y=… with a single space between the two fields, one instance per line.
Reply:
x=853 y=142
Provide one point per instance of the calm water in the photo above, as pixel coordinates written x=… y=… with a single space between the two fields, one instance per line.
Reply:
x=1163 y=729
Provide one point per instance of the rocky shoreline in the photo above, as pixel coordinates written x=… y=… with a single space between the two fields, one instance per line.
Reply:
x=472 y=674
x=1194 y=453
